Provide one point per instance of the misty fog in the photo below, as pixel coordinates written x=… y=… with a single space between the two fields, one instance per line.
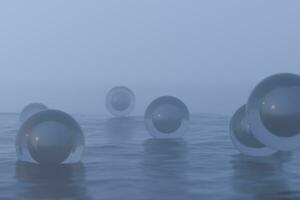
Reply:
x=210 y=54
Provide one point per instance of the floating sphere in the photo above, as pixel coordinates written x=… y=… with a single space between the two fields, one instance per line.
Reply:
x=242 y=136
x=120 y=101
x=167 y=117
x=30 y=110
x=273 y=111
x=50 y=137
x=280 y=111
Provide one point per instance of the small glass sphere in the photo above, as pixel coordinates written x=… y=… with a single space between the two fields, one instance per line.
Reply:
x=50 y=137
x=120 y=101
x=30 y=110
x=242 y=136
x=167 y=117
x=273 y=111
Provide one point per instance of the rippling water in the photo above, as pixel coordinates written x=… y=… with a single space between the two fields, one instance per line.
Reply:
x=122 y=161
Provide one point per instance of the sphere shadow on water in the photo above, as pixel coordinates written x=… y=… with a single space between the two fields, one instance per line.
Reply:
x=165 y=167
x=167 y=117
x=120 y=101
x=261 y=178
x=273 y=111
x=51 y=182
x=30 y=110
x=50 y=137
x=243 y=138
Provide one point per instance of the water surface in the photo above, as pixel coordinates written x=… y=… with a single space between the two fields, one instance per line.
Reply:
x=122 y=161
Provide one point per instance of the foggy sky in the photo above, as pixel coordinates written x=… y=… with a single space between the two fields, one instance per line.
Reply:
x=68 y=54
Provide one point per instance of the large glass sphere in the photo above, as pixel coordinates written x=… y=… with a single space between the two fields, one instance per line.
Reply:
x=242 y=136
x=30 y=110
x=50 y=137
x=167 y=117
x=280 y=111
x=273 y=111
x=120 y=101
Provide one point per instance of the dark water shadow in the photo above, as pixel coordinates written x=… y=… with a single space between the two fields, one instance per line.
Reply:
x=51 y=182
x=164 y=167
x=120 y=129
x=262 y=178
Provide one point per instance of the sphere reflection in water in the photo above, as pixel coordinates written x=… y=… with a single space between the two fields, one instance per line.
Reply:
x=167 y=117
x=242 y=137
x=168 y=162
x=121 y=129
x=65 y=181
x=30 y=110
x=50 y=137
x=120 y=101
x=273 y=111
x=261 y=178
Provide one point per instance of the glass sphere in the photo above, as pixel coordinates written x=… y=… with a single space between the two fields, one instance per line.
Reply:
x=30 y=110
x=273 y=111
x=120 y=101
x=50 y=137
x=280 y=111
x=167 y=117
x=242 y=136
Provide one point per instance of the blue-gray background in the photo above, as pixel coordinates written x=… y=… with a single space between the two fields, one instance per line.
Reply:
x=68 y=54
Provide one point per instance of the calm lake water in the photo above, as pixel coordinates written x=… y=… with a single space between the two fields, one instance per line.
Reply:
x=122 y=161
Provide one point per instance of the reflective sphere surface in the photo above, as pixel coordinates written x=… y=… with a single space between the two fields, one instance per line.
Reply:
x=242 y=136
x=50 y=137
x=31 y=109
x=167 y=117
x=273 y=111
x=50 y=142
x=280 y=111
x=120 y=101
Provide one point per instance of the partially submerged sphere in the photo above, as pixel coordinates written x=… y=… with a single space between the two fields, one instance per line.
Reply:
x=50 y=137
x=273 y=111
x=167 y=117
x=243 y=138
x=30 y=110
x=120 y=101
